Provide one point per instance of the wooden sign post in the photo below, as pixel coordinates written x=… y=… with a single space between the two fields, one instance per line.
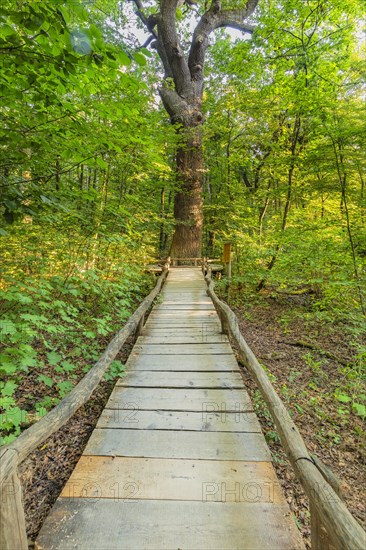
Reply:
x=227 y=259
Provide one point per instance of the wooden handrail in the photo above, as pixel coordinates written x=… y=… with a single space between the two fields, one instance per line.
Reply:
x=12 y=522
x=330 y=518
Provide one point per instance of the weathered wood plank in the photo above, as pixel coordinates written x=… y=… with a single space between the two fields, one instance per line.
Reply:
x=214 y=380
x=199 y=330
x=179 y=420
x=175 y=319
x=163 y=525
x=198 y=306
x=182 y=349
x=184 y=301
x=201 y=337
x=183 y=324
x=178 y=444
x=170 y=479
x=198 y=363
x=163 y=399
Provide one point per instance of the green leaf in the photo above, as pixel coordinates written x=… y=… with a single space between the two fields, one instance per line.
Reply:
x=124 y=59
x=140 y=59
x=342 y=397
x=7 y=327
x=146 y=52
x=9 y=388
x=67 y=366
x=359 y=409
x=53 y=357
x=46 y=380
x=101 y=163
x=64 y=387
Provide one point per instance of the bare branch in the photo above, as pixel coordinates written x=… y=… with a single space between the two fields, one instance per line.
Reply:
x=233 y=19
x=140 y=11
x=148 y=41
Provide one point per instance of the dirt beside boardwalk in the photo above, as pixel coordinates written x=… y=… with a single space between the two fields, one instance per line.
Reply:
x=306 y=379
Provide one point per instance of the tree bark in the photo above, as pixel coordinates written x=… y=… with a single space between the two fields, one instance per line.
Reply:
x=188 y=203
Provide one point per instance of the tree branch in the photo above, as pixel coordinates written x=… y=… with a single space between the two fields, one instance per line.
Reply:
x=215 y=18
x=169 y=42
x=176 y=107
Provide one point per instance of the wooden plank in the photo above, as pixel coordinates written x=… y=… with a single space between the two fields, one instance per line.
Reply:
x=182 y=349
x=214 y=380
x=156 y=330
x=179 y=444
x=171 y=299
x=179 y=420
x=201 y=338
x=188 y=314
x=166 y=399
x=183 y=294
x=170 y=479
x=183 y=324
x=184 y=307
x=198 y=363
x=179 y=320
x=162 y=525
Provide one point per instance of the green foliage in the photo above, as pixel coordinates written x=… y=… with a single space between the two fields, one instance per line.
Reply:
x=50 y=348
x=284 y=142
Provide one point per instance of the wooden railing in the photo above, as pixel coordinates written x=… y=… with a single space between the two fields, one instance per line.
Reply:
x=332 y=525
x=12 y=522
x=188 y=262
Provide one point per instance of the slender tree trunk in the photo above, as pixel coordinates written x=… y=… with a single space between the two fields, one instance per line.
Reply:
x=362 y=192
x=57 y=173
x=293 y=149
x=81 y=176
x=263 y=211
x=342 y=176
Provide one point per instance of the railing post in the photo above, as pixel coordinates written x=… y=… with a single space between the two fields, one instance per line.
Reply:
x=224 y=323
x=319 y=536
x=140 y=326
x=320 y=539
x=12 y=521
x=203 y=265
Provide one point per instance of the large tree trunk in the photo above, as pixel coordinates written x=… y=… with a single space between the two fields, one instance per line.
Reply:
x=183 y=102
x=188 y=207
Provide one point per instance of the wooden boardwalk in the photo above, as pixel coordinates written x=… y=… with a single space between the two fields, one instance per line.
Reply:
x=177 y=459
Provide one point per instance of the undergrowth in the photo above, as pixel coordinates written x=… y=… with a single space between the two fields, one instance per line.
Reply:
x=52 y=330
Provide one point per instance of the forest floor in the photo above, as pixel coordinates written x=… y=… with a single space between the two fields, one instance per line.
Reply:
x=305 y=378
x=306 y=362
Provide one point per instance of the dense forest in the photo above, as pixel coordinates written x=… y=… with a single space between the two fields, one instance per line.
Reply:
x=117 y=149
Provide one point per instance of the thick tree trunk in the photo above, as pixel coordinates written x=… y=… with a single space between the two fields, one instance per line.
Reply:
x=188 y=204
